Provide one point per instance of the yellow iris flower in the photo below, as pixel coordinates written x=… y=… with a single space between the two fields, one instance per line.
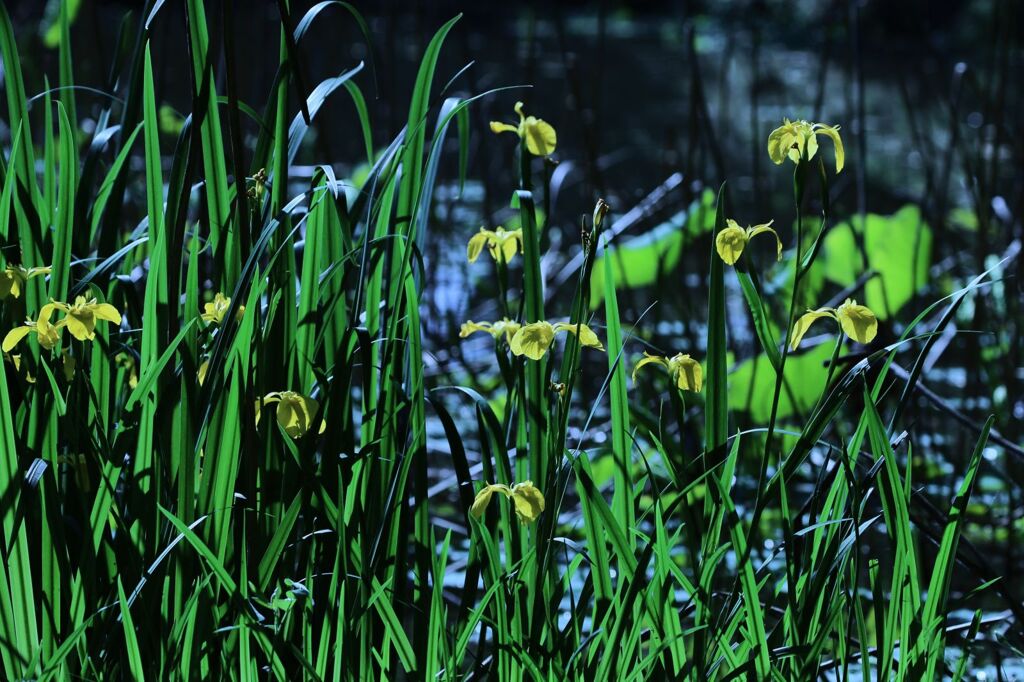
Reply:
x=80 y=317
x=527 y=499
x=733 y=239
x=857 y=321
x=798 y=141
x=215 y=310
x=295 y=412
x=47 y=334
x=533 y=340
x=539 y=136
x=500 y=243
x=684 y=370
x=13 y=278
x=504 y=326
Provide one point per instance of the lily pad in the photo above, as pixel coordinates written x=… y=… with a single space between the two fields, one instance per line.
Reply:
x=638 y=262
x=752 y=384
x=898 y=248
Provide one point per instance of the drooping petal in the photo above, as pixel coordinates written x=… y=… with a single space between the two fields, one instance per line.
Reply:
x=758 y=229
x=507 y=243
x=81 y=324
x=47 y=334
x=859 y=323
x=483 y=498
x=476 y=244
x=687 y=373
x=267 y=399
x=105 y=311
x=832 y=132
x=290 y=417
x=649 y=359
x=15 y=336
x=810 y=141
x=540 y=137
x=528 y=500
x=507 y=327
x=730 y=242
x=46 y=312
x=499 y=127
x=471 y=327
x=587 y=337
x=779 y=142
x=533 y=340
x=308 y=407
x=805 y=321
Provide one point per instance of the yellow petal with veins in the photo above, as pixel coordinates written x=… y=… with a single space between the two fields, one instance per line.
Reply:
x=730 y=242
x=533 y=340
x=528 y=500
x=859 y=323
x=540 y=137
x=687 y=373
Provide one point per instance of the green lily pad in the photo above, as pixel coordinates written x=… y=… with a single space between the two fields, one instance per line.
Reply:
x=898 y=247
x=638 y=262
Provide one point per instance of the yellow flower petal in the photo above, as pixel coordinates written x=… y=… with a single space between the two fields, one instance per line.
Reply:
x=540 y=137
x=36 y=272
x=290 y=418
x=471 y=327
x=587 y=337
x=730 y=242
x=805 y=321
x=793 y=140
x=105 y=311
x=498 y=127
x=476 y=244
x=81 y=325
x=686 y=372
x=780 y=141
x=15 y=336
x=832 y=132
x=859 y=323
x=507 y=244
x=529 y=502
x=810 y=142
x=483 y=498
x=217 y=308
x=649 y=359
x=533 y=340
x=758 y=229
x=507 y=327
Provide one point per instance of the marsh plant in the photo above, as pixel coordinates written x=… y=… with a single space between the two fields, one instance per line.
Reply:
x=214 y=414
